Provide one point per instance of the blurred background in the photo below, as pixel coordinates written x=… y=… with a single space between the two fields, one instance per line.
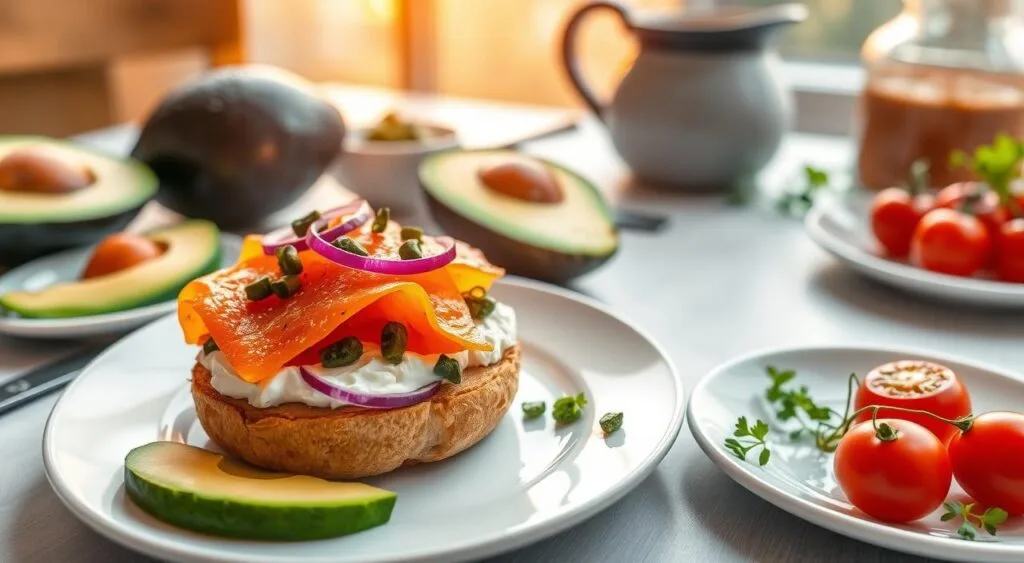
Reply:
x=67 y=67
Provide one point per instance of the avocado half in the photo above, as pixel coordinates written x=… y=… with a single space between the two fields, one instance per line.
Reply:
x=35 y=224
x=192 y=249
x=553 y=242
x=239 y=144
x=203 y=491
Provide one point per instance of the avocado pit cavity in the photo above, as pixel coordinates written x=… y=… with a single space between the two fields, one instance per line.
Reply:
x=119 y=252
x=35 y=171
x=535 y=184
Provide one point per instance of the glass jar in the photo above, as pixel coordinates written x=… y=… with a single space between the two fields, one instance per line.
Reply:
x=942 y=75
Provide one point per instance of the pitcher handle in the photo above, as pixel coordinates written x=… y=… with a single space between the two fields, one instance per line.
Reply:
x=569 y=60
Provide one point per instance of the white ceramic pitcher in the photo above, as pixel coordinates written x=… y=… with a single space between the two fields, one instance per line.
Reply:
x=702 y=107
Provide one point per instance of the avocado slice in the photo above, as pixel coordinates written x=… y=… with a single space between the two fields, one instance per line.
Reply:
x=35 y=224
x=192 y=249
x=548 y=241
x=203 y=491
x=239 y=144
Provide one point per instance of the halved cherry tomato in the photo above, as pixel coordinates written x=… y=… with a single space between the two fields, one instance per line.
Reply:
x=950 y=242
x=914 y=384
x=988 y=460
x=1010 y=249
x=894 y=216
x=118 y=252
x=897 y=480
x=975 y=199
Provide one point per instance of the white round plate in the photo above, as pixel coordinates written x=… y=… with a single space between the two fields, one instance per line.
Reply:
x=525 y=481
x=799 y=478
x=840 y=226
x=66 y=266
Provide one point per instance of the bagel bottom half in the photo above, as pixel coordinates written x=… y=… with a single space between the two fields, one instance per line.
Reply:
x=349 y=443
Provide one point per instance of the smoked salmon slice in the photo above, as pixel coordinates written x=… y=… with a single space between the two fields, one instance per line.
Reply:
x=259 y=338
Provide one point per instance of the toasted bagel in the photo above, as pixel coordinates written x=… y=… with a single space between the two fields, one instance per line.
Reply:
x=352 y=442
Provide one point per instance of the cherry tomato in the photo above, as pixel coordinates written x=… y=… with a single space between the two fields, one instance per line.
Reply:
x=950 y=242
x=913 y=384
x=898 y=480
x=118 y=252
x=1010 y=258
x=894 y=215
x=988 y=460
x=985 y=205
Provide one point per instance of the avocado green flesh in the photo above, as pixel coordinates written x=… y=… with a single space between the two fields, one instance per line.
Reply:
x=192 y=249
x=121 y=185
x=580 y=225
x=203 y=491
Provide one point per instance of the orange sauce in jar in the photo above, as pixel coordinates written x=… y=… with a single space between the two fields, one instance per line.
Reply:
x=929 y=113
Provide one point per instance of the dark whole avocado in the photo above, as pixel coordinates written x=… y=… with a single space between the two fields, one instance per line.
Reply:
x=34 y=224
x=548 y=241
x=239 y=144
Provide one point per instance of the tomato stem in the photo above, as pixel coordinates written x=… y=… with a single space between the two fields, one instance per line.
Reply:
x=963 y=423
x=919 y=177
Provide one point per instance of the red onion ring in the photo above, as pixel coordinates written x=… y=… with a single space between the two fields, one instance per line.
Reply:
x=366 y=400
x=318 y=243
x=284 y=236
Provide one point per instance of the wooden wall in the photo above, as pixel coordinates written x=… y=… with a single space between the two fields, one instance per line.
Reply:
x=57 y=57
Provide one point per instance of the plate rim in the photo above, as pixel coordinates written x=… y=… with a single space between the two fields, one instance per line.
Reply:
x=860 y=529
x=965 y=288
x=482 y=546
x=66 y=327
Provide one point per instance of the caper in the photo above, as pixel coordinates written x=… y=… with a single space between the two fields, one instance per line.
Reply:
x=301 y=226
x=380 y=222
x=410 y=233
x=410 y=250
x=448 y=368
x=477 y=292
x=393 y=339
x=344 y=352
x=210 y=346
x=286 y=286
x=259 y=289
x=611 y=422
x=288 y=260
x=480 y=309
x=351 y=246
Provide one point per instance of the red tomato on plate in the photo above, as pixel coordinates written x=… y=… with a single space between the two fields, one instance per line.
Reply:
x=894 y=216
x=976 y=199
x=913 y=384
x=988 y=460
x=898 y=480
x=1010 y=249
x=951 y=242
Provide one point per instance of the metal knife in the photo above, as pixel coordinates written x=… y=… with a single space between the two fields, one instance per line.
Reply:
x=43 y=380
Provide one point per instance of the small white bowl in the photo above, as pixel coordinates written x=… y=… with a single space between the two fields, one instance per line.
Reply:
x=385 y=172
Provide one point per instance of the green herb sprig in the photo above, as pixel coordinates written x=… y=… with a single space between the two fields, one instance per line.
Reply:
x=747 y=438
x=970 y=522
x=997 y=164
x=800 y=201
x=568 y=409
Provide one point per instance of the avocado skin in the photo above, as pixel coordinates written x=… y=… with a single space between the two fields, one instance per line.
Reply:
x=516 y=257
x=238 y=520
x=239 y=144
x=21 y=242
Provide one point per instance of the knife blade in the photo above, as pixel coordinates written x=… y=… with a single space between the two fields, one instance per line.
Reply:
x=43 y=380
